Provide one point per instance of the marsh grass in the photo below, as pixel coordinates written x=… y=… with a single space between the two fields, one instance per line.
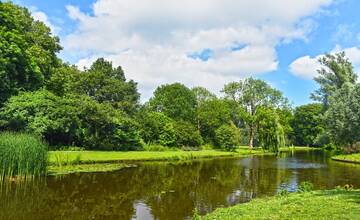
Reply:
x=22 y=156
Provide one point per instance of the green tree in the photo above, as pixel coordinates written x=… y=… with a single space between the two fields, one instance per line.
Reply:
x=212 y=114
x=70 y=120
x=228 y=136
x=202 y=95
x=307 y=124
x=174 y=100
x=271 y=134
x=336 y=71
x=107 y=84
x=251 y=94
x=187 y=135
x=27 y=51
x=152 y=126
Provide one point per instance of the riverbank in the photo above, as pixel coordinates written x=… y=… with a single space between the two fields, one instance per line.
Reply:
x=348 y=158
x=63 y=162
x=327 y=204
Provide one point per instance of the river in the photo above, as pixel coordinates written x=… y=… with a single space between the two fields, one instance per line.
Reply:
x=171 y=190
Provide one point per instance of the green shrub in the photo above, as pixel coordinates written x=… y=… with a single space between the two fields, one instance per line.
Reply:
x=228 y=136
x=187 y=135
x=22 y=155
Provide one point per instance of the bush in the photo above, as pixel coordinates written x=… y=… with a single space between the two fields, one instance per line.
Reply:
x=22 y=155
x=71 y=120
x=187 y=135
x=228 y=136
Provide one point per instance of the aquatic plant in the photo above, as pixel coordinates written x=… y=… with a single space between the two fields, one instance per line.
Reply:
x=22 y=155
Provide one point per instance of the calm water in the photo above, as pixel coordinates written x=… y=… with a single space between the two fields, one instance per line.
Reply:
x=171 y=191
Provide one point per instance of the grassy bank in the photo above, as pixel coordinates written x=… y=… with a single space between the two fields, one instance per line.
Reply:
x=349 y=158
x=329 y=204
x=63 y=162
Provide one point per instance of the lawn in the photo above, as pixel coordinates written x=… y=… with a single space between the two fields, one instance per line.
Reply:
x=350 y=158
x=73 y=157
x=328 y=204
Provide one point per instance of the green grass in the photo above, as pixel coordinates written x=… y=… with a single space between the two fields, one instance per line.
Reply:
x=22 y=155
x=351 y=158
x=86 y=168
x=81 y=157
x=328 y=204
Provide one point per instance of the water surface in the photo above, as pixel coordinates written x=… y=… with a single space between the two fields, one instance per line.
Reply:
x=171 y=191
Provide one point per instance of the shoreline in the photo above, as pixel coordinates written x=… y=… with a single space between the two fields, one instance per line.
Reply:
x=68 y=162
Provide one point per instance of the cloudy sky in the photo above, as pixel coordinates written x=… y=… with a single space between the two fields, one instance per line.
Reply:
x=206 y=42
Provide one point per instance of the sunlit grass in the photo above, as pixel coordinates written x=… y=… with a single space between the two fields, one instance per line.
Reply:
x=329 y=204
x=354 y=158
x=22 y=155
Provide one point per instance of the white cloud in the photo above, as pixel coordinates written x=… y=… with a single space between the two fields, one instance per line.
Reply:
x=41 y=16
x=306 y=66
x=152 y=39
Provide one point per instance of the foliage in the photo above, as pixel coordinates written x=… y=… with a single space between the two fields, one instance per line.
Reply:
x=107 y=84
x=307 y=124
x=70 y=120
x=251 y=94
x=22 y=155
x=202 y=95
x=27 y=51
x=337 y=70
x=228 y=136
x=271 y=133
x=174 y=100
x=211 y=114
x=187 y=135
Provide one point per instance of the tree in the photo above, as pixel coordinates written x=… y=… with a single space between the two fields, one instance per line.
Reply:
x=156 y=127
x=252 y=94
x=106 y=84
x=211 y=114
x=187 y=135
x=271 y=133
x=202 y=95
x=342 y=118
x=70 y=120
x=307 y=124
x=174 y=100
x=228 y=136
x=336 y=71
x=27 y=51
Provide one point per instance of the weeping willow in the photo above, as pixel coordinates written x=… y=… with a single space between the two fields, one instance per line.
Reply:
x=271 y=134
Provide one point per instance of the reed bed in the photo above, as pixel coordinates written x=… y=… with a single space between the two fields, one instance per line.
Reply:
x=22 y=156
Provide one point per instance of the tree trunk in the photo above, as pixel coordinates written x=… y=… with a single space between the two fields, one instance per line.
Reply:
x=251 y=137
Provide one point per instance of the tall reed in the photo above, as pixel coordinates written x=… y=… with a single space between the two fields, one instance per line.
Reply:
x=22 y=155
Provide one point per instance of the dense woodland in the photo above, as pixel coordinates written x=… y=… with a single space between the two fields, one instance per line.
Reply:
x=99 y=108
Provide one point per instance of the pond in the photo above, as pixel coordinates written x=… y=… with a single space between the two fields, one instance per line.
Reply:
x=171 y=191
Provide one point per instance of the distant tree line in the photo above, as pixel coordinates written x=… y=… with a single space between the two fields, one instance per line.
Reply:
x=99 y=108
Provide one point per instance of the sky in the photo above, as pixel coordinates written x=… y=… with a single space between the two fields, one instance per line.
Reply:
x=206 y=42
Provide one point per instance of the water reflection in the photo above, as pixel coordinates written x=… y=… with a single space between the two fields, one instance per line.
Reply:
x=170 y=191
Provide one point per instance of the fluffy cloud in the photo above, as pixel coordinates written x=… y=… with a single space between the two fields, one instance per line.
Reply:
x=153 y=40
x=306 y=67
x=41 y=16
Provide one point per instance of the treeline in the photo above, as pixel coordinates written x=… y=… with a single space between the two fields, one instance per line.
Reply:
x=98 y=108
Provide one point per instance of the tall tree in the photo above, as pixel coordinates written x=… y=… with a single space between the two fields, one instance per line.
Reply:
x=174 y=100
x=307 y=124
x=107 y=84
x=336 y=71
x=27 y=51
x=251 y=94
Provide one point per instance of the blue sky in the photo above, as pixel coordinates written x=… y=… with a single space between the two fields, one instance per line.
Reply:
x=207 y=44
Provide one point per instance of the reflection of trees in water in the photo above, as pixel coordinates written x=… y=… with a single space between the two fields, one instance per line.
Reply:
x=171 y=191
